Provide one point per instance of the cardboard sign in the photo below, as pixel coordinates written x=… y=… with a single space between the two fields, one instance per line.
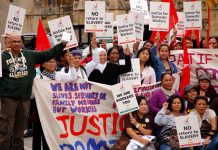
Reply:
x=159 y=16
x=14 y=23
x=139 y=25
x=58 y=27
x=108 y=28
x=180 y=24
x=140 y=6
x=124 y=98
x=94 y=16
x=188 y=131
x=133 y=76
x=193 y=15
x=126 y=29
x=0 y=60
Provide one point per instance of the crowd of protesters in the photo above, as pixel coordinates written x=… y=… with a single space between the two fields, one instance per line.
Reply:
x=156 y=116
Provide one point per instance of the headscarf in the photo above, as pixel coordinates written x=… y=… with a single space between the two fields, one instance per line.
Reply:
x=96 y=52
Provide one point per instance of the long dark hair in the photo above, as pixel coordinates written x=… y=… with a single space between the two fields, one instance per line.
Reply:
x=148 y=63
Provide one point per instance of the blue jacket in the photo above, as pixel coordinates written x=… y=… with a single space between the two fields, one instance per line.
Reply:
x=158 y=65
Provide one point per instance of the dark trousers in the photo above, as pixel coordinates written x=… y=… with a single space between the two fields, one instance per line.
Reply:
x=13 y=115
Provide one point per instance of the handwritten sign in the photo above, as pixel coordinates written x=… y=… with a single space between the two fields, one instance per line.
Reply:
x=108 y=28
x=159 y=16
x=188 y=131
x=94 y=16
x=193 y=15
x=126 y=29
x=59 y=26
x=124 y=97
x=14 y=23
x=140 y=6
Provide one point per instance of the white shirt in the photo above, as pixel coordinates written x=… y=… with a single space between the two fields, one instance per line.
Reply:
x=148 y=75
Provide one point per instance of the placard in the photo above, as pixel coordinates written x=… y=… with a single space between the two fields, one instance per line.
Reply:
x=188 y=131
x=140 y=6
x=14 y=23
x=108 y=28
x=60 y=25
x=124 y=97
x=139 y=25
x=94 y=16
x=193 y=15
x=126 y=29
x=159 y=16
x=180 y=24
x=133 y=76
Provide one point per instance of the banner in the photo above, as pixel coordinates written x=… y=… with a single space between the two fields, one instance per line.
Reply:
x=108 y=28
x=180 y=24
x=14 y=23
x=188 y=131
x=140 y=6
x=0 y=60
x=159 y=16
x=134 y=76
x=60 y=25
x=202 y=61
x=94 y=16
x=139 y=25
x=126 y=29
x=124 y=97
x=193 y=15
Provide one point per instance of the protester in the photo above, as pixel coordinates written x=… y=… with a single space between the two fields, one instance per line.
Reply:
x=148 y=44
x=106 y=72
x=161 y=95
x=160 y=62
x=205 y=88
x=15 y=90
x=189 y=42
x=113 y=55
x=174 y=107
x=176 y=45
x=148 y=75
x=137 y=124
x=207 y=122
x=62 y=60
x=213 y=42
x=190 y=94
x=120 y=48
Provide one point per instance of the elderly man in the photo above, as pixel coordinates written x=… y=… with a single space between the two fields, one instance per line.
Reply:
x=18 y=67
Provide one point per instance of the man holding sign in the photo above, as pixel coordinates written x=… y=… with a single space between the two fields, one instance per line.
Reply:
x=16 y=86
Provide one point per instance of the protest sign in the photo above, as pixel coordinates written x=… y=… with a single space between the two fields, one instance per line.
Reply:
x=140 y=6
x=139 y=25
x=180 y=24
x=0 y=60
x=124 y=97
x=188 y=131
x=14 y=23
x=58 y=27
x=133 y=76
x=126 y=29
x=94 y=16
x=193 y=15
x=108 y=28
x=202 y=61
x=159 y=16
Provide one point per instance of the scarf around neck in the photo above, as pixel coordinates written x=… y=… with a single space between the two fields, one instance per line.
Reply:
x=168 y=93
x=49 y=75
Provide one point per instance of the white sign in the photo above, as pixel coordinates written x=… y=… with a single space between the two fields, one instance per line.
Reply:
x=58 y=27
x=124 y=98
x=188 y=131
x=159 y=16
x=126 y=29
x=14 y=23
x=139 y=25
x=108 y=28
x=180 y=24
x=94 y=16
x=0 y=61
x=140 y=6
x=133 y=76
x=193 y=15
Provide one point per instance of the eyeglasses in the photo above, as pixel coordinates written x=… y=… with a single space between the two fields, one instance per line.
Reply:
x=51 y=62
x=16 y=42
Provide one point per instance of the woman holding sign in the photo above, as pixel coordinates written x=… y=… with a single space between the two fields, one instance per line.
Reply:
x=136 y=125
x=207 y=120
x=174 y=107
x=148 y=75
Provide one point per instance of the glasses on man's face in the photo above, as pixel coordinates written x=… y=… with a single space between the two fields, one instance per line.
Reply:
x=16 y=42
x=51 y=62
